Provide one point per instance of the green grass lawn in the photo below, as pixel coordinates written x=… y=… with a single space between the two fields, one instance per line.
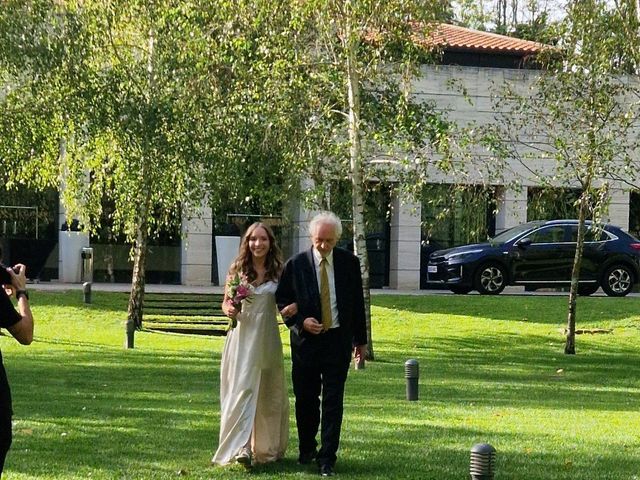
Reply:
x=491 y=370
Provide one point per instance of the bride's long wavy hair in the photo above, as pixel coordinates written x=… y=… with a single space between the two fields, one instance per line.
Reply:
x=244 y=261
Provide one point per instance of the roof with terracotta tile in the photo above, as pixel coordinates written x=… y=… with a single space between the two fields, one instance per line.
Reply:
x=453 y=37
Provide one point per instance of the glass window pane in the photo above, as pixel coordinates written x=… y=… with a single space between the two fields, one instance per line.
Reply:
x=552 y=234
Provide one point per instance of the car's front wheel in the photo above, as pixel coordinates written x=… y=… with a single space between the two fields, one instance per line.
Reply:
x=617 y=281
x=490 y=279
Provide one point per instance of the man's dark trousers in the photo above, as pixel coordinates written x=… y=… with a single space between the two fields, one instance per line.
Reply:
x=327 y=368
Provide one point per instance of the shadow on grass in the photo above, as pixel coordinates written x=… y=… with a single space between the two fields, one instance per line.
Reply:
x=113 y=412
x=104 y=301
x=148 y=416
x=536 y=309
x=87 y=410
x=520 y=372
x=433 y=452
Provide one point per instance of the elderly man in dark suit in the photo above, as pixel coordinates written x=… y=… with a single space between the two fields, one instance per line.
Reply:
x=326 y=284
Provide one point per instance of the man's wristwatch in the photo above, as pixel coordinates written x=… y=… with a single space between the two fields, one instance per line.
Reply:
x=22 y=293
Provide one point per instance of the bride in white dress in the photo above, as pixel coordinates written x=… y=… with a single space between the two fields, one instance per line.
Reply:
x=254 y=415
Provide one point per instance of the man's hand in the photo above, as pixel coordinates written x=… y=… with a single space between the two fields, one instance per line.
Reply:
x=18 y=276
x=290 y=310
x=312 y=325
x=360 y=353
x=23 y=330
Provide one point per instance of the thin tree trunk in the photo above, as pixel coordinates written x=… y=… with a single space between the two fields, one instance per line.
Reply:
x=357 y=181
x=501 y=7
x=136 y=298
x=570 y=345
x=135 y=308
x=635 y=6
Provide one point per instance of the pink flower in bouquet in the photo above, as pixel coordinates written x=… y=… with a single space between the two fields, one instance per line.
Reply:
x=242 y=291
x=238 y=289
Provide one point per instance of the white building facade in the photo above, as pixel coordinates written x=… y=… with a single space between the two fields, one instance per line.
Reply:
x=199 y=263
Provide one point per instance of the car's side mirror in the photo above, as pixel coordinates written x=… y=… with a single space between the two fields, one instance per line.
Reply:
x=524 y=242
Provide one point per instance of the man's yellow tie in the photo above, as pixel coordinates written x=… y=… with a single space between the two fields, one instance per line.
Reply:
x=325 y=296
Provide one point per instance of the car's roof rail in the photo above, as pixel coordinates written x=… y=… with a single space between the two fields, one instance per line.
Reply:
x=570 y=221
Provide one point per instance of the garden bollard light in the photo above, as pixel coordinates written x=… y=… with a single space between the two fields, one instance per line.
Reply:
x=483 y=460
x=411 y=374
x=131 y=329
x=86 y=291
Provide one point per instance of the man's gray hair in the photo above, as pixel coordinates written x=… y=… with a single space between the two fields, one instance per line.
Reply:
x=326 y=218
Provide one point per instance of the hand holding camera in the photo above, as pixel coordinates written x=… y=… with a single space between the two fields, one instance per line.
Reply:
x=13 y=277
x=5 y=276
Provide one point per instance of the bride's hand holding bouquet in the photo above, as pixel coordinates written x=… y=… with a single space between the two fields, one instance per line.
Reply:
x=237 y=290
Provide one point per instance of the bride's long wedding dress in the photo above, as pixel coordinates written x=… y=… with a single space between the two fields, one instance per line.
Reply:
x=253 y=394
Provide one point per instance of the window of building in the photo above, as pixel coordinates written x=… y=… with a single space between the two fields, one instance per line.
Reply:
x=111 y=252
x=546 y=203
x=29 y=231
x=456 y=215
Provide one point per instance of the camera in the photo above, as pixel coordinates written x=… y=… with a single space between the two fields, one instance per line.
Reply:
x=5 y=277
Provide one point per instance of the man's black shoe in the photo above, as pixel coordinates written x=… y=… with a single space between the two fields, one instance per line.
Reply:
x=307 y=457
x=326 y=470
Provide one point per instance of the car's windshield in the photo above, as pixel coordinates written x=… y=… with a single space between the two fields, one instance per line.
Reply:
x=511 y=233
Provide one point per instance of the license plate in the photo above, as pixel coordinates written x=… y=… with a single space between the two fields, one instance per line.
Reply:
x=432 y=269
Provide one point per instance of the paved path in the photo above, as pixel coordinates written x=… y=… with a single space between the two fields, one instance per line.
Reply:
x=156 y=288
x=124 y=287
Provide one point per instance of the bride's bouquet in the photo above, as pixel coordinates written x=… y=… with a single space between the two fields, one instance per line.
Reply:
x=238 y=289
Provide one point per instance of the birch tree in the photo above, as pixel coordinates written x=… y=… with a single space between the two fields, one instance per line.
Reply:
x=577 y=124
x=147 y=99
x=362 y=57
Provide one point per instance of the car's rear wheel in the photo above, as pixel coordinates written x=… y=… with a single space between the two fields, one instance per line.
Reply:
x=588 y=289
x=490 y=279
x=459 y=290
x=617 y=281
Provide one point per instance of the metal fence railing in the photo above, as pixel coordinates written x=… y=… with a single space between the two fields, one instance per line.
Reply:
x=19 y=221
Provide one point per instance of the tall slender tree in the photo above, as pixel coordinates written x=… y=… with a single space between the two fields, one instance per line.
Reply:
x=155 y=103
x=362 y=57
x=575 y=126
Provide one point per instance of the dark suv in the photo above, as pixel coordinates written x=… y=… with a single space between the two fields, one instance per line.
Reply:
x=540 y=254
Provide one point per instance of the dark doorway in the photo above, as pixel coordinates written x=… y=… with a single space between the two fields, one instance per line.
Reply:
x=377 y=226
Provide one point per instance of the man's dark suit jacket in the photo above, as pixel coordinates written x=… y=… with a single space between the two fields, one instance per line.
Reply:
x=299 y=284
